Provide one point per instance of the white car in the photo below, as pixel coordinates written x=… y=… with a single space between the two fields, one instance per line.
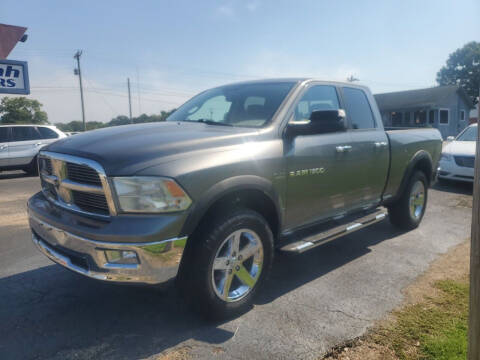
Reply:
x=19 y=145
x=458 y=156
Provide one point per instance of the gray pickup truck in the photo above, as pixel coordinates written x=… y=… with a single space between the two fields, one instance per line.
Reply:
x=234 y=173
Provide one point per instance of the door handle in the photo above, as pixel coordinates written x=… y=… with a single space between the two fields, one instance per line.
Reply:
x=343 y=148
x=380 y=144
x=2 y=147
x=38 y=144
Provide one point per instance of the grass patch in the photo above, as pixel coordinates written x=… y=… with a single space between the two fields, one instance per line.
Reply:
x=434 y=329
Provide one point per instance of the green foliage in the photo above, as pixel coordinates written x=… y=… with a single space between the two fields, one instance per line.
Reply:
x=77 y=125
x=463 y=68
x=20 y=110
x=437 y=328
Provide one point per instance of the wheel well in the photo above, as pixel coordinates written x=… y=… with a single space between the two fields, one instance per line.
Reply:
x=251 y=199
x=425 y=166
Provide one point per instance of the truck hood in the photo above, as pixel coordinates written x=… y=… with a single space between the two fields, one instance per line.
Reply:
x=460 y=148
x=127 y=149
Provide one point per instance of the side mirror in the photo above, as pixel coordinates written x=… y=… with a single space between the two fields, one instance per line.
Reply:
x=450 y=138
x=320 y=122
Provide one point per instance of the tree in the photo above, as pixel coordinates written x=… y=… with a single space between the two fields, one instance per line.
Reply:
x=77 y=125
x=463 y=68
x=119 y=120
x=20 y=110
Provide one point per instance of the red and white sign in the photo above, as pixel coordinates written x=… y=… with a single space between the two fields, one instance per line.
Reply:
x=9 y=36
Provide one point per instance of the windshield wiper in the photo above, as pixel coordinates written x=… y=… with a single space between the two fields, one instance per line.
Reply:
x=209 y=122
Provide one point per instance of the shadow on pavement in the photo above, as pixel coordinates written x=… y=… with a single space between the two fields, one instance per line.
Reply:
x=292 y=271
x=456 y=187
x=52 y=313
x=14 y=175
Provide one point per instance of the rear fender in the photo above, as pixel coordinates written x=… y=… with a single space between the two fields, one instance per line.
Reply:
x=420 y=161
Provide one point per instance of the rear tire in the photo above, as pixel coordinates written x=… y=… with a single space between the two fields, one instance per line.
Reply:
x=407 y=212
x=227 y=265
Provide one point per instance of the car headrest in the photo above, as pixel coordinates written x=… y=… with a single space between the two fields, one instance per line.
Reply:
x=256 y=111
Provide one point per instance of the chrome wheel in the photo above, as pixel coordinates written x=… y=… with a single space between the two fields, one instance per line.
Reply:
x=237 y=265
x=417 y=200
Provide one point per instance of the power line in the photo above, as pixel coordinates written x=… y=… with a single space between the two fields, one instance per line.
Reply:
x=193 y=71
x=125 y=96
x=104 y=100
x=108 y=91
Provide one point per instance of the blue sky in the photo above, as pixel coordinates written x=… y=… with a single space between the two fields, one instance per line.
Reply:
x=173 y=49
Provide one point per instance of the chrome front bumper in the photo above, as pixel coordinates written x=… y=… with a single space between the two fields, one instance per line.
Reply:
x=157 y=262
x=450 y=171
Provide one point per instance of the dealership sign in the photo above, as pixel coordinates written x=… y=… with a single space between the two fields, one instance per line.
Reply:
x=14 y=77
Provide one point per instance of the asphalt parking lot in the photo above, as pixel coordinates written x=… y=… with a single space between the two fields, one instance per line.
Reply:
x=312 y=302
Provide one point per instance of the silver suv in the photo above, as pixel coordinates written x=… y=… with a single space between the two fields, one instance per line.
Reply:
x=19 y=145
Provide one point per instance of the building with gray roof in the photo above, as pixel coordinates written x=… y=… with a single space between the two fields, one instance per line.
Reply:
x=446 y=108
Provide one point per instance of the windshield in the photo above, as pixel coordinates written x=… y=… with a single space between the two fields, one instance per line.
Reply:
x=245 y=105
x=470 y=134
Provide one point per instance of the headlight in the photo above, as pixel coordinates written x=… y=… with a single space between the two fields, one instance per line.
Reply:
x=446 y=157
x=150 y=194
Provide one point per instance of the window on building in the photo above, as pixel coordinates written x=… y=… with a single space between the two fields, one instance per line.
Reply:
x=420 y=117
x=443 y=116
x=431 y=117
x=462 y=115
x=358 y=109
x=407 y=118
x=386 y=119
x=397 y=118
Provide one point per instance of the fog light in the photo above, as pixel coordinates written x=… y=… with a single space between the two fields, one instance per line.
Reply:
x=121 y=257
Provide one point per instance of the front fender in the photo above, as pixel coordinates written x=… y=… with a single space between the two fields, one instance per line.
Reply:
x=224 y=188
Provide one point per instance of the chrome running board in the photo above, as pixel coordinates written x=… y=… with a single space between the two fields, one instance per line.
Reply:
x=311 y=241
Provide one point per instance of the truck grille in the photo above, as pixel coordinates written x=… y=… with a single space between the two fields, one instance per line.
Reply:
x=75 y=183
x=83 y=174
x=465 y=161
x=93 y=203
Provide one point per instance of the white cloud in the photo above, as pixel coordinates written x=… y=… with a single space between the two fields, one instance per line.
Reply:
x=229 y=8
x=226 y=10
x=252 y=6
x=270 y=63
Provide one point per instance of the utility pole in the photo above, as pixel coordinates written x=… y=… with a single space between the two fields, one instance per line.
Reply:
x=352 y=78
x=78 y=72
x=129 y=101
x=474 y=323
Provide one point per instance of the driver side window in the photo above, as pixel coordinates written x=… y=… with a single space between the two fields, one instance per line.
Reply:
x=319 y=97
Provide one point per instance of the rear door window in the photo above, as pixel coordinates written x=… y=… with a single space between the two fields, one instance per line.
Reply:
x=4 y=131
x=47 y=133
x=25 y=133
x=358 y=109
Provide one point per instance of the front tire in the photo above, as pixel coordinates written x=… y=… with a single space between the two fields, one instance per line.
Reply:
x=228 y=264
x=407 y=212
